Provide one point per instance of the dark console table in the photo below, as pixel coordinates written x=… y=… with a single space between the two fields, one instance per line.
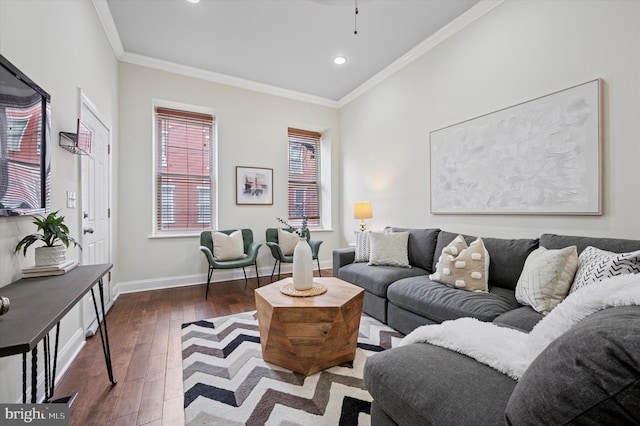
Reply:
x=37 y=306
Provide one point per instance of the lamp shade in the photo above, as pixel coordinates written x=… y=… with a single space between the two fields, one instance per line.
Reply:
x=362 y=210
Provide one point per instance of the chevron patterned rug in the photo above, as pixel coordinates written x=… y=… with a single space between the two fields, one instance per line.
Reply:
x=226 y=381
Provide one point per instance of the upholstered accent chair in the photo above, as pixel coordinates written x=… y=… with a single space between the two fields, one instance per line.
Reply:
x=278 y=254
x=250 y=253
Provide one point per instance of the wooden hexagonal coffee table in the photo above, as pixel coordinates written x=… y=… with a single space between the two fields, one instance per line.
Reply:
x=309 y=334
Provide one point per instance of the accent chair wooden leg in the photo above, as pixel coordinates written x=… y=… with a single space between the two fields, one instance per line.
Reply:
x=245 y=277
x=319 y=273
x=274 y=269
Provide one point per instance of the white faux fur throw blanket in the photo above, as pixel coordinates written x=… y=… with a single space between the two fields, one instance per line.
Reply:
x=511 y=351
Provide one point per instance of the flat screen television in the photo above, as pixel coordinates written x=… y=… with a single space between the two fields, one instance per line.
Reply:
x=25 y=127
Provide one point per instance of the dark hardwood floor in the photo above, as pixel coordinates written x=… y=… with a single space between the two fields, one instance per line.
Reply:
x=145 y=338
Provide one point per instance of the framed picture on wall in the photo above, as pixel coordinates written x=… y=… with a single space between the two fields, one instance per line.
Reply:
x=542 y=156
x=254 y=186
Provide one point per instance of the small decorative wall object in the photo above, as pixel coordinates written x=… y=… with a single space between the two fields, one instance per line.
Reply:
x=78 y=142
x=539 y=157
x=254 y=186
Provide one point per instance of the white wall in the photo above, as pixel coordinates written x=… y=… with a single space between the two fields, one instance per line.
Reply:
x=519 y=51
x=61 y=46
x=252 y=131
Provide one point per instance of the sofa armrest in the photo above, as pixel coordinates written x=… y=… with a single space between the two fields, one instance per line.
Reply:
x=342 y=257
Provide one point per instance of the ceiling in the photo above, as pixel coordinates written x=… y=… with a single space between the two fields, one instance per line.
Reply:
x=282 y=44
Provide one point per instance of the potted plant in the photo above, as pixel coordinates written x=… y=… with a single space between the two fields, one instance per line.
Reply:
x=53 y=230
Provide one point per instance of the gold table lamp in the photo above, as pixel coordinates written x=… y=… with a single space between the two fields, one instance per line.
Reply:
x=362 y=210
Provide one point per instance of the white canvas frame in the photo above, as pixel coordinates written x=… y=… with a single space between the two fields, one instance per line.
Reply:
x=538 y=157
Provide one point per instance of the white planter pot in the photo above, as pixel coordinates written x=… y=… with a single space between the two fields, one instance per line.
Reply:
x=302 y=266
x=46 y=256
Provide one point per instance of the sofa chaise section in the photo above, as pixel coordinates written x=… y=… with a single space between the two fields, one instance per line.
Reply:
x=589 y=375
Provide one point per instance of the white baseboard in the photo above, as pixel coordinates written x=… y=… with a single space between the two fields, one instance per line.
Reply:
x=188 y=280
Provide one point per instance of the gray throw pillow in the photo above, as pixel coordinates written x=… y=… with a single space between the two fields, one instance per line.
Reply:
x=589 y=375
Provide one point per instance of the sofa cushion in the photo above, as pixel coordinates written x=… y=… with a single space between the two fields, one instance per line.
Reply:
x=439 y=303
x=589 y=375
x=422 y=384
x=507 y=256
x=464 y=267
x=376 y=279
x=547 y=277
x=389 y=248
x=523 y=318
x=422 y=246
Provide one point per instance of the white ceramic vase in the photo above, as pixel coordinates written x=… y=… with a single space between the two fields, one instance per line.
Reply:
x=302 y=266
x=46 y=256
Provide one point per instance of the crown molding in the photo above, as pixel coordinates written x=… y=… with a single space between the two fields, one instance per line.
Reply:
x=104 y=14
x=468 y=17
x=215 y=77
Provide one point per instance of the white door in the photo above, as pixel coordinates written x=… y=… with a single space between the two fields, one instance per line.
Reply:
x=95 y=207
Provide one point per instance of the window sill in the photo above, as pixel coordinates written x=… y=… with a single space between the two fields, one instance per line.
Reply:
x=176 y=235
x=320 y=229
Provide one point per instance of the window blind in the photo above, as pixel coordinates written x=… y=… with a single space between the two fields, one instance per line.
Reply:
x=304 y=177
x=184 y=170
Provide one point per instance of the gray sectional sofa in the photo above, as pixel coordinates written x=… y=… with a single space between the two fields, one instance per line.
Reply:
x=425 y=384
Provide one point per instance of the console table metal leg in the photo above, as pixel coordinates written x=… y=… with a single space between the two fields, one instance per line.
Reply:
x=24 y=377
x=104 y=336
x=49 y=373
x=46 y=347
x=34 y=374
x=55 y=360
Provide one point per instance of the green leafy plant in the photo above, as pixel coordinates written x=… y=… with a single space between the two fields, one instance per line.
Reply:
x=53 y=230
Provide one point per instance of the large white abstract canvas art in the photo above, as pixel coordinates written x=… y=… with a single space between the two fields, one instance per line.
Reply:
x=538 y=157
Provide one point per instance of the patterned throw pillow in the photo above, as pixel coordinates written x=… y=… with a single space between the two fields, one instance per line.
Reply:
x=228 y=247
x=463 y=267
x=287 y=241
x=546 y=278
x=389 y=248
x=363 y=247
x=595 y=265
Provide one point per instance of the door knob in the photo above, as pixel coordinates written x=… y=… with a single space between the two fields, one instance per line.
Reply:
x=87 y=230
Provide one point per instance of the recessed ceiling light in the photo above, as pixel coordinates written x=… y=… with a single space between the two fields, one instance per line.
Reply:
x=340 y=60
x=193 y=1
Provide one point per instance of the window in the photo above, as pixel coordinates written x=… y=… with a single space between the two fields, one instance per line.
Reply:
x=166 y=210
x=204 y=202
x=184 y=170
x=304 y=177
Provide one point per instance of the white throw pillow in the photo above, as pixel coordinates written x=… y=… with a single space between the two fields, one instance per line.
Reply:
x=228 y=247
x=595 y=265
x=287 y=241
x=363 y=247
x=546 y=278
x=389 y=248
x=463 y=267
